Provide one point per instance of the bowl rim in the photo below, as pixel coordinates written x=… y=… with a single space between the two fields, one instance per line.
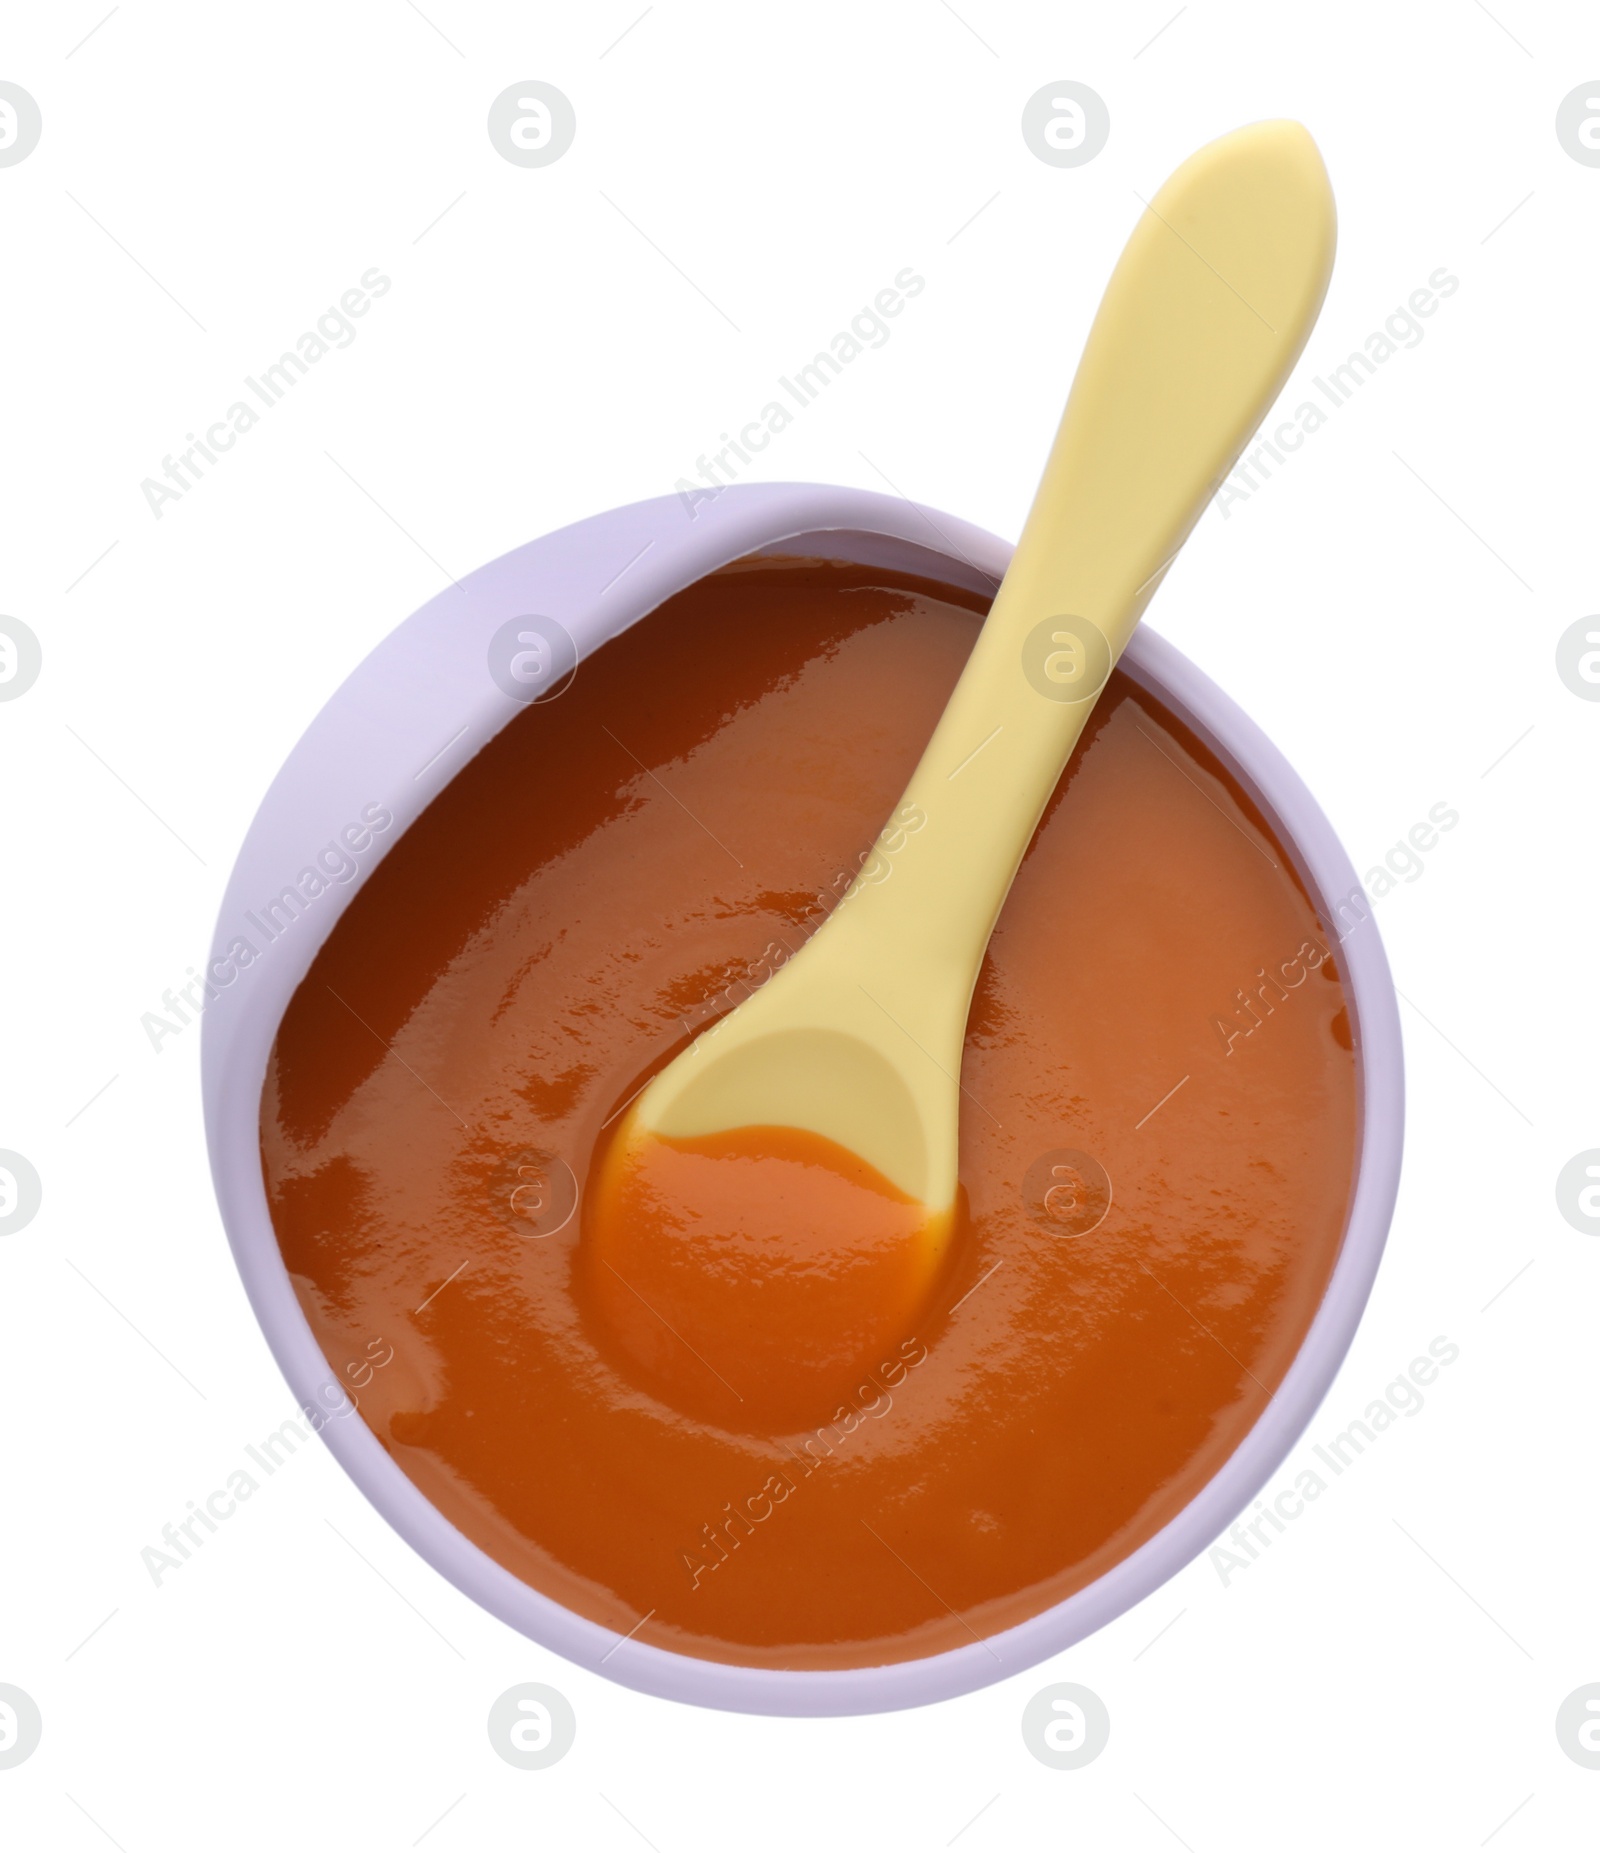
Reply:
x=362 y=749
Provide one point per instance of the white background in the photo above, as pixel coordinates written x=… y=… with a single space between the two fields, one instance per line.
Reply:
x=209 y=180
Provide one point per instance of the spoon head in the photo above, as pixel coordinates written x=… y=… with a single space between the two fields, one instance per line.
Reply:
x=832 y=1083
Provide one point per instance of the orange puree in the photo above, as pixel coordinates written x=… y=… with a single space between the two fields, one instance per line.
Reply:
x=751 y=1274
x=852 y=1470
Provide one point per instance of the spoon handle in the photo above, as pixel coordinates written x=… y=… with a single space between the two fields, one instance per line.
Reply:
x=1205 y=314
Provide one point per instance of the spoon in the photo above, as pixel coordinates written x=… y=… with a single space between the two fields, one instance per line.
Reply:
x=852 y=1051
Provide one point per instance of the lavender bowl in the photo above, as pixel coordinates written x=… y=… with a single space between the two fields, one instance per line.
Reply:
x=400 y=728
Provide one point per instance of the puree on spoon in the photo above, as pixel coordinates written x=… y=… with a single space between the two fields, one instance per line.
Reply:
x=789 y=1260
x=610 y=874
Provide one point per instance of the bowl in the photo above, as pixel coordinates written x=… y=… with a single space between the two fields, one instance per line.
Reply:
x=406 y=721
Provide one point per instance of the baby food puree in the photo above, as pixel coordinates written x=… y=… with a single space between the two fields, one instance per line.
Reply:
x=775 y=1446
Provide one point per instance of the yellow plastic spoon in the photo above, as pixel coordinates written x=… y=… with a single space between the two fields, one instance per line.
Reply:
x=859 y=1037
